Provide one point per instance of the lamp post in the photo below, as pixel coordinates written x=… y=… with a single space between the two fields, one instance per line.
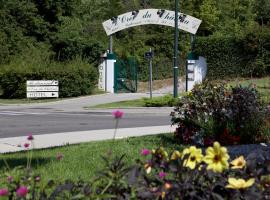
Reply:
x=175 y=63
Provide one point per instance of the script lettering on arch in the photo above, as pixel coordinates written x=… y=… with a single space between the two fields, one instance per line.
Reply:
x=151 y=16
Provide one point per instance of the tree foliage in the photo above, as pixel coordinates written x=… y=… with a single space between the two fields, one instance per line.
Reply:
x=73 y=28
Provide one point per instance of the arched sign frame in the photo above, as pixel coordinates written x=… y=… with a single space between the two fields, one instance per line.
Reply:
x=151 y=16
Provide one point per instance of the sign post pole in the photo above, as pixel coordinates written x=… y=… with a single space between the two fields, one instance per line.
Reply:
x=111 y=44
x=175 y=67
x=149 y=56
x=150 y=77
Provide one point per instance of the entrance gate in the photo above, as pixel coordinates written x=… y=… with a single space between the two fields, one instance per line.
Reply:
x=117 y=77
x=125 y=74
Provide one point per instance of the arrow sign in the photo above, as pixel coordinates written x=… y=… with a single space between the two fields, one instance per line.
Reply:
x=42 y=94
x=42 y=89
x=41 y=82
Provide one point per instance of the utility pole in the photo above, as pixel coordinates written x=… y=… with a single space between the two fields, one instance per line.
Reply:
x=175 y=67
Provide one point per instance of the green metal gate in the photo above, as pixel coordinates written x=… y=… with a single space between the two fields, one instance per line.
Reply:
x=125 y=75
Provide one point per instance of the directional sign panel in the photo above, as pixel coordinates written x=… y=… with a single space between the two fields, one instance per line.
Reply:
x=42 y=88
x=41 y=82
x=42 y=94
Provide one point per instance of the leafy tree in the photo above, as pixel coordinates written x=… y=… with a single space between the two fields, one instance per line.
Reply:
x=209 y=14
x=262 y=11
x=236 y=16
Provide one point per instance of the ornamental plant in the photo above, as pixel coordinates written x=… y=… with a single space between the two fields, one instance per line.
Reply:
x=217 y=112
x=187 y=174
x=192 y=174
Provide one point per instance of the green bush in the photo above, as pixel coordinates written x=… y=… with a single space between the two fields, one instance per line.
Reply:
x=228 y=57
x=166 y=100
x=75 y=78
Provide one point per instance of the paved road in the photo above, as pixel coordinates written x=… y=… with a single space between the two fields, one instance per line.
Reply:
x=70 y=115
x=20 y=123
x=68 y=122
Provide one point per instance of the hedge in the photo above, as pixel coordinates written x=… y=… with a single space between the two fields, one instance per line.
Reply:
x=229 y=57
x=75 y=79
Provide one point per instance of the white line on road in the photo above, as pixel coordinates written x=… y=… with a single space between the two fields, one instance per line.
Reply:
x=20 y=113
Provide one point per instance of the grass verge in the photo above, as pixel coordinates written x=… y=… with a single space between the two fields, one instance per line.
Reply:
x=83 y=160
x=122 y=104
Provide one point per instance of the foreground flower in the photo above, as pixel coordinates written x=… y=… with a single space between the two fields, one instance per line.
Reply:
x=194 y=157
x=147 y=168
x=59 y=156
x=168 y=186
x=216 y=158
x=22 y=191
x=175 y=155
x=160 y=153
x=30 y=137
x=3 y=192
x=239 y=183
x=9 y=179
x=145 y=152
x=162 y=174
x=117 y=114
x=238 y=163
x=26 y=145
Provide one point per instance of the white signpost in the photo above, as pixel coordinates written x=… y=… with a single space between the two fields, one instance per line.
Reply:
x=42 y=89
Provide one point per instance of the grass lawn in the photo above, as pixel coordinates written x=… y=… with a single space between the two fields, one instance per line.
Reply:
x=84 y=160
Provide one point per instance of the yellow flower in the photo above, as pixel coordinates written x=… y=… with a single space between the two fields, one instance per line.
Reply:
x=163 y=194
x=161 y=153
x=238 y=163
x=189 y=94
x=216 y=158
x=239 y=183
x=195 y=157
x=175 y=155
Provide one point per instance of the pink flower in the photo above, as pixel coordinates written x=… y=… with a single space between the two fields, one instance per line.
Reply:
x=9 y=179
x=117 y=114
x=26 y=145
x=30 y=137
x=3 y=192
x=162 y=174
x=145 y=152
x=59 y=156
x=37 y=179
x=22 y=191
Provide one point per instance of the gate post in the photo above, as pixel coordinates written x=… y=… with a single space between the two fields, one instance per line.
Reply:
x=110 y=75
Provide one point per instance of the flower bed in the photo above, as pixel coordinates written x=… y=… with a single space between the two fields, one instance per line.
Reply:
x=217 y=112
x=192 y=173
